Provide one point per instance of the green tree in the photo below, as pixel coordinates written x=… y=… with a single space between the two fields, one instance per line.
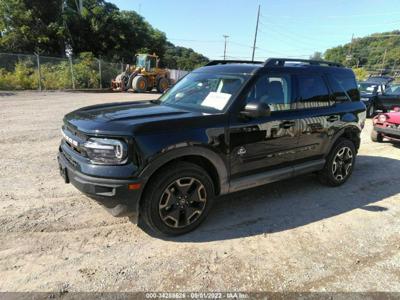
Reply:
x=316 y=56
x=54 y=27
x=31 y=25
x=369 y=52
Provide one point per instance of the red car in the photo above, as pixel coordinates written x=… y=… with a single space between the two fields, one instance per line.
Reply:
x=386 y=125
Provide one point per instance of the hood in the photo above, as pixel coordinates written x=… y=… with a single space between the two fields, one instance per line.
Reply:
x=394 y=117
x=122 y=117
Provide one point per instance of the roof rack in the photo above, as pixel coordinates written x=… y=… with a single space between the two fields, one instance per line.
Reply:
x=224 y=62
x=273 y=62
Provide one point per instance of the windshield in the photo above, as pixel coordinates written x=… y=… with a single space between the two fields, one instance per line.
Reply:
x=367 y=88
x=393 y=89
x=204 y=91
x=141 y=61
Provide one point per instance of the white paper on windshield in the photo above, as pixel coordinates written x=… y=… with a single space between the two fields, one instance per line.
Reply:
x=216 y=100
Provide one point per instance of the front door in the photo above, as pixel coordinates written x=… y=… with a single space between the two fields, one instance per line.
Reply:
x=257 y=145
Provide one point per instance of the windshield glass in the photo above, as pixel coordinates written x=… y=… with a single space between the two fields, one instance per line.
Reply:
x=141 y=61
x=204 y=91
x=393 y=89
x=367 y=88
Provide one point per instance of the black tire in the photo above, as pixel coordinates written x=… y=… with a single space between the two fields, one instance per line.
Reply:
x=163 y=208
x=162 y=85
x=376 y=136
x=139 y=84
x=371 y=111
x=337 y=171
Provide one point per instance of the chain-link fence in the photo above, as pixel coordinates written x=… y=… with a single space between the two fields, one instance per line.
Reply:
x=20 y=72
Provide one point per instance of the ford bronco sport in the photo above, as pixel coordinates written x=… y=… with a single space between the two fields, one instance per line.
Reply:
x=225 y=127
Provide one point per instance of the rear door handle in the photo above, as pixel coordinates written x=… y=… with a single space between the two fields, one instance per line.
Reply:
x=333 y=118
x=287 y=124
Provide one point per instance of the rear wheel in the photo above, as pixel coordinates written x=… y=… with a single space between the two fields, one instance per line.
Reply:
x=139 y=84
x=339 y=164
x=163 y=85
x=178 y=199
x=376 y=136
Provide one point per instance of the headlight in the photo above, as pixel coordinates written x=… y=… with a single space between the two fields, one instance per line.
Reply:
x=106 y=151
x=364 y=99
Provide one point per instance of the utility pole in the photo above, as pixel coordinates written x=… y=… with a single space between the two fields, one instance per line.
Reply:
x=255 y=36
x=349 y=55
x=383 y=61
x=226 y=38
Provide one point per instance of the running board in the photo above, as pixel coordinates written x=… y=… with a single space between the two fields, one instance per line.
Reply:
x=275 y=175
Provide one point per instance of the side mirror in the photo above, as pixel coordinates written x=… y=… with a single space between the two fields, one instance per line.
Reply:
x=256 y=110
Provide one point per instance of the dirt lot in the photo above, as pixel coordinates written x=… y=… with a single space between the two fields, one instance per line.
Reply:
x=294 y=235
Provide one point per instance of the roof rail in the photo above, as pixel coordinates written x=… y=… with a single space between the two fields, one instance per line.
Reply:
x=273 y=62
x=224 y=62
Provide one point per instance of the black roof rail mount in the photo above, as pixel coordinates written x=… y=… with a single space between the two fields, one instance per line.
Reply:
x=225 y=62
x=273 y=62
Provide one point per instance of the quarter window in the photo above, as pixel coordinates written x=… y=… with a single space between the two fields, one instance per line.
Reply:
x=313 y=92
x=274 y=90
x=344 y=87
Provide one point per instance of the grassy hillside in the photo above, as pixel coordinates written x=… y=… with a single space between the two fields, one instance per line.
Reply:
x=377 y=52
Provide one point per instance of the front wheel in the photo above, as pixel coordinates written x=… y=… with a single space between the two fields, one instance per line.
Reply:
x=139 y=84
x=178 y=199
x=339 y=164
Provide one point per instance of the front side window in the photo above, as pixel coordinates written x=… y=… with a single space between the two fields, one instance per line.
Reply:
x=368 y=88
x=393 y=89
x=274 y=90
x=313 y=92
x=207 y=92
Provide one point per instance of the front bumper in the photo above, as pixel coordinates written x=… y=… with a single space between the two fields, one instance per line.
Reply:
x=116 y=195
x=388 y=132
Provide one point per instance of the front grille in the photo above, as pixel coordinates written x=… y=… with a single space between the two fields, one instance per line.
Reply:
x=393 y=126
x=75 y=132
x=75 y=139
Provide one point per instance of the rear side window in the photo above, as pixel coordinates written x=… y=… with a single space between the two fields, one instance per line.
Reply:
x=344 y=86
x=313 y=91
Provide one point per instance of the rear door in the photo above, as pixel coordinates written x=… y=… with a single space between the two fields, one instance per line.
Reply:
x=314 y=108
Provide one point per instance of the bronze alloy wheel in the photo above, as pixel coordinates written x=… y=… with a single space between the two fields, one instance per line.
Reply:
x=342 y=163
x=182 y=202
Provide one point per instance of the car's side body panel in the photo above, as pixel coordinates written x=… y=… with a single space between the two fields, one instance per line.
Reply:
x=243 y=152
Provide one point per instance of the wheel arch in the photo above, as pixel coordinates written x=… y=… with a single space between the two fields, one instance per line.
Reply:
x=207 y=159
x=351 y=132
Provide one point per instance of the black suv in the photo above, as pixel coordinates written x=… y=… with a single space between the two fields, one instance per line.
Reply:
x=225 y=127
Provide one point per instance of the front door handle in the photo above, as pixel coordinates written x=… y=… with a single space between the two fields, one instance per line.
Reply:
x=333 y=118
x=287 y=124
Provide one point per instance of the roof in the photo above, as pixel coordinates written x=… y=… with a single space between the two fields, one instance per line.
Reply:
x=250 y=67
x=232 y=68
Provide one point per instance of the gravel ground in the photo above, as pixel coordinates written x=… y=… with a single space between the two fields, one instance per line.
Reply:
x=294 y=235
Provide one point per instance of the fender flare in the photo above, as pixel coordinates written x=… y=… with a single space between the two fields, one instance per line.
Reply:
x=340 y=133
x=177 y=153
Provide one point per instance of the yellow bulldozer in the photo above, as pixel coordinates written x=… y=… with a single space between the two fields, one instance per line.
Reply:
x=144 y=76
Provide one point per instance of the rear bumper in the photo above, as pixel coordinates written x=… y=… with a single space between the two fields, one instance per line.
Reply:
x=113 y=194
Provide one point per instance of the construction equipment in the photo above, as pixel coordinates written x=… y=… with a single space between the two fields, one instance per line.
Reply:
x=144 y=76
